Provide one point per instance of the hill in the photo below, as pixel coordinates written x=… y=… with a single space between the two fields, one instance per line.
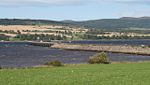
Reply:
x=125 y=22
x=29 y=22
x=107 y=24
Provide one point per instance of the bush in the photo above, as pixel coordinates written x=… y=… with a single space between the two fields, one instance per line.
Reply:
x=54 y=63
x=100 y=58
x=0 y=67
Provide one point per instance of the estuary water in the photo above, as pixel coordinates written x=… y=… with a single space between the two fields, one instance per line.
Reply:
x=20 y=54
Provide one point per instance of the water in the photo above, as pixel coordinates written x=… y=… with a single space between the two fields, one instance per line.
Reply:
x=14 y=54
x=117 y=42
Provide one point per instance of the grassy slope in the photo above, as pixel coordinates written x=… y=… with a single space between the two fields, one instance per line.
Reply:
x=114 y=74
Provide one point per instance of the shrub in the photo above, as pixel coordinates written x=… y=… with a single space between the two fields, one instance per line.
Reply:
x=100 y=58
x=54 y=63
x=0 y=67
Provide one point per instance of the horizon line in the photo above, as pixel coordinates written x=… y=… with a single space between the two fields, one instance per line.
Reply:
x=75 y=20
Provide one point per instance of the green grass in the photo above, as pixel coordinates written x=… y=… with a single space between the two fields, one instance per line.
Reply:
x=113 y=74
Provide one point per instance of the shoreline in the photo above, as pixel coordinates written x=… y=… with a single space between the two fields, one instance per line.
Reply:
x=126 y=49
x=105 y=48
x=70 y=65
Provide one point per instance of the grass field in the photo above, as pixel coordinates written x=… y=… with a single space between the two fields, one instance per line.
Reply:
x=113 y=74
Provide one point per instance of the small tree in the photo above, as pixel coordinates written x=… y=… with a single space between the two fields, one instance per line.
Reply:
x=100 y=58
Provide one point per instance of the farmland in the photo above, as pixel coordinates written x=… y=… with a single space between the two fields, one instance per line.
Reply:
x=44 y=29
x=58 y=32
x=29 y=31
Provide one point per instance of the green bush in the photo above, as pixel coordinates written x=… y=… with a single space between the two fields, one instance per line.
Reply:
x=0 y=67
x=100 y=58
x=54 y=63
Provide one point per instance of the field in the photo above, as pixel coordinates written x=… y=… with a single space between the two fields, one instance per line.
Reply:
x=113 y=74
x=13 y=31
x=44 y=29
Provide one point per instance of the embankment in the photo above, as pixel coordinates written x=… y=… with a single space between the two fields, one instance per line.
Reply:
x=106 y=48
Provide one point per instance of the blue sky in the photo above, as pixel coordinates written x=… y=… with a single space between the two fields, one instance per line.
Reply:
x=73 y=9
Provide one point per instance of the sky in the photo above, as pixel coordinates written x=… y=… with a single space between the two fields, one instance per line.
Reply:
x=78 y=10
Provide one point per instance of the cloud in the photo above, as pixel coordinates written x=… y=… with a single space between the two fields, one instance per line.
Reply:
x=131 y=1
x=40 y=2
x=65 y=2
x=7 y=3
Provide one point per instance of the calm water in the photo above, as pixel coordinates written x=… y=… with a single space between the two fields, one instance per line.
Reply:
x=120 y=42
x=24 y=55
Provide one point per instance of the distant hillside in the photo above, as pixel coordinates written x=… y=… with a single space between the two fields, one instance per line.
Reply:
x=28 y=22
x=108 y=24
x=125 y=22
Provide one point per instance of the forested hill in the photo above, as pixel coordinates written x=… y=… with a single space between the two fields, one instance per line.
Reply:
x=29 y=22
x=125 y=22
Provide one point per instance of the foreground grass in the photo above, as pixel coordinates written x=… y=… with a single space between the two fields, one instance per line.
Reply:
x=113 y=74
